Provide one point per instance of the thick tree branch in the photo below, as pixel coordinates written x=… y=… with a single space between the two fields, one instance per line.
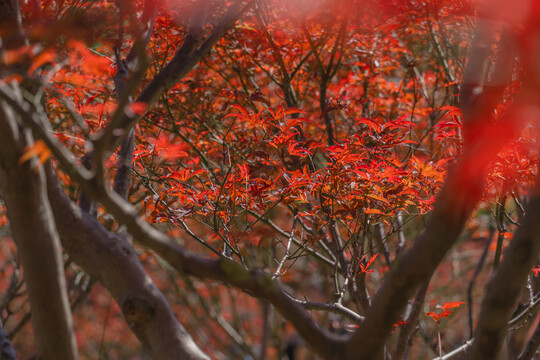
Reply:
x=113 y=261
x=454 y=205
x=480 y=92
x=134 y=63
x=532 y=346
x=30 y=218
x=109 y=258
x=255 y=282
x=504 y=288
x=123 y=172
x=148 y=19
x=10 y=24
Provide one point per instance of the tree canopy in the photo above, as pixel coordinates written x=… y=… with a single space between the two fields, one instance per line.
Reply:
x=269 y=179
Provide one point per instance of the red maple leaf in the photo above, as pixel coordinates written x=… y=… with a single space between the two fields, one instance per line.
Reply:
x=364 y=268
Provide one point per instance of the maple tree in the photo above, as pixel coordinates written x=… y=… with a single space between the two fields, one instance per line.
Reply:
x=257 y=178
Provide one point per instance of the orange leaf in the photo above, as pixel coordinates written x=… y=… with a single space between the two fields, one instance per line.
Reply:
x=452 y=305
x=39 y=149
x=77 y=45
x=401 y=323
x=242 y=109
x=41 y=59
x=95 y=64
x=12 y=56
x=370 y=124
x=365 y=268
x=371 y=260
x=293 y=110
x=451 y=110
x=435 y=316
x=444 y=314
x=13 y=77
x=373 y=211
x=377 y=197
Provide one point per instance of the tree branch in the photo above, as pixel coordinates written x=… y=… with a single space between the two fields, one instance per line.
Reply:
x=454 y=205
x=30 y=218
x=255 y=282
x=410 y=323
x=134 y=63
x=532 y=345
x=183 y=61
x=6 y=350
x=504 y=288
x=112 y=260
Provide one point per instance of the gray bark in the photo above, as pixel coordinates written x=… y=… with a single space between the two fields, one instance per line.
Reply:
x=23 y=190
x=112 y=260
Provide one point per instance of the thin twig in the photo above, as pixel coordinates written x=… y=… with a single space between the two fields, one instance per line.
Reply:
x=335 y=308
x=287 y=250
